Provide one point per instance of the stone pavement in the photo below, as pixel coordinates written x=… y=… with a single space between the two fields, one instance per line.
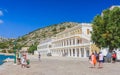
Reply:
x=60 y=66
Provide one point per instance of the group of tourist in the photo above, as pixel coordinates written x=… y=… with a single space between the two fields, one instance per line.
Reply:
x=23 y=61
x=94 y=58
x=100 y=58
x=111 y=57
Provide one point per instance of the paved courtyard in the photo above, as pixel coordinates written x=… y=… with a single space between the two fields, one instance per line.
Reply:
x=60 y=66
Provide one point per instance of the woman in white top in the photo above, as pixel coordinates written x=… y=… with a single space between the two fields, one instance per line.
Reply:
x=100 y=60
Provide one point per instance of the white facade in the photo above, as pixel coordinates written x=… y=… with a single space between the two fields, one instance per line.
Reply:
x=44 y=47
x=73 y=42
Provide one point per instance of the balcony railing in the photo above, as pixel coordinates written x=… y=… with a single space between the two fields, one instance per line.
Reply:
x=70 y=36
x=76 y=45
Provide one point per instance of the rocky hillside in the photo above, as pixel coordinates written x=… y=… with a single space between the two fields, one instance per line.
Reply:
x=2 y=39
x=38 y=35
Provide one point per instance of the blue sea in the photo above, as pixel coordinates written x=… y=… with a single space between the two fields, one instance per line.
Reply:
x=3 y=57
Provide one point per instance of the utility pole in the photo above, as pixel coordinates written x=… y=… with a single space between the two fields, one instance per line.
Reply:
x=14 y=52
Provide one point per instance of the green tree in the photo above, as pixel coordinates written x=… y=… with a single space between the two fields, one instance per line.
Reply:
x=32 y=48
x=106 y=28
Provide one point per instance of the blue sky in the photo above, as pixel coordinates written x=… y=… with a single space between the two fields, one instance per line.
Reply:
x=19 y=17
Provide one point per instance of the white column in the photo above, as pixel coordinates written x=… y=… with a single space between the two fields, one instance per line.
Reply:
x=75 y=52
x=63 y=43
x=71 y=52
x=84 y=52
x=68 y=52
x=73 y=41
x=68 y=42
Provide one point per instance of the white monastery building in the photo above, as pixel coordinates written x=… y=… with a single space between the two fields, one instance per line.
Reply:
x=73 y=42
